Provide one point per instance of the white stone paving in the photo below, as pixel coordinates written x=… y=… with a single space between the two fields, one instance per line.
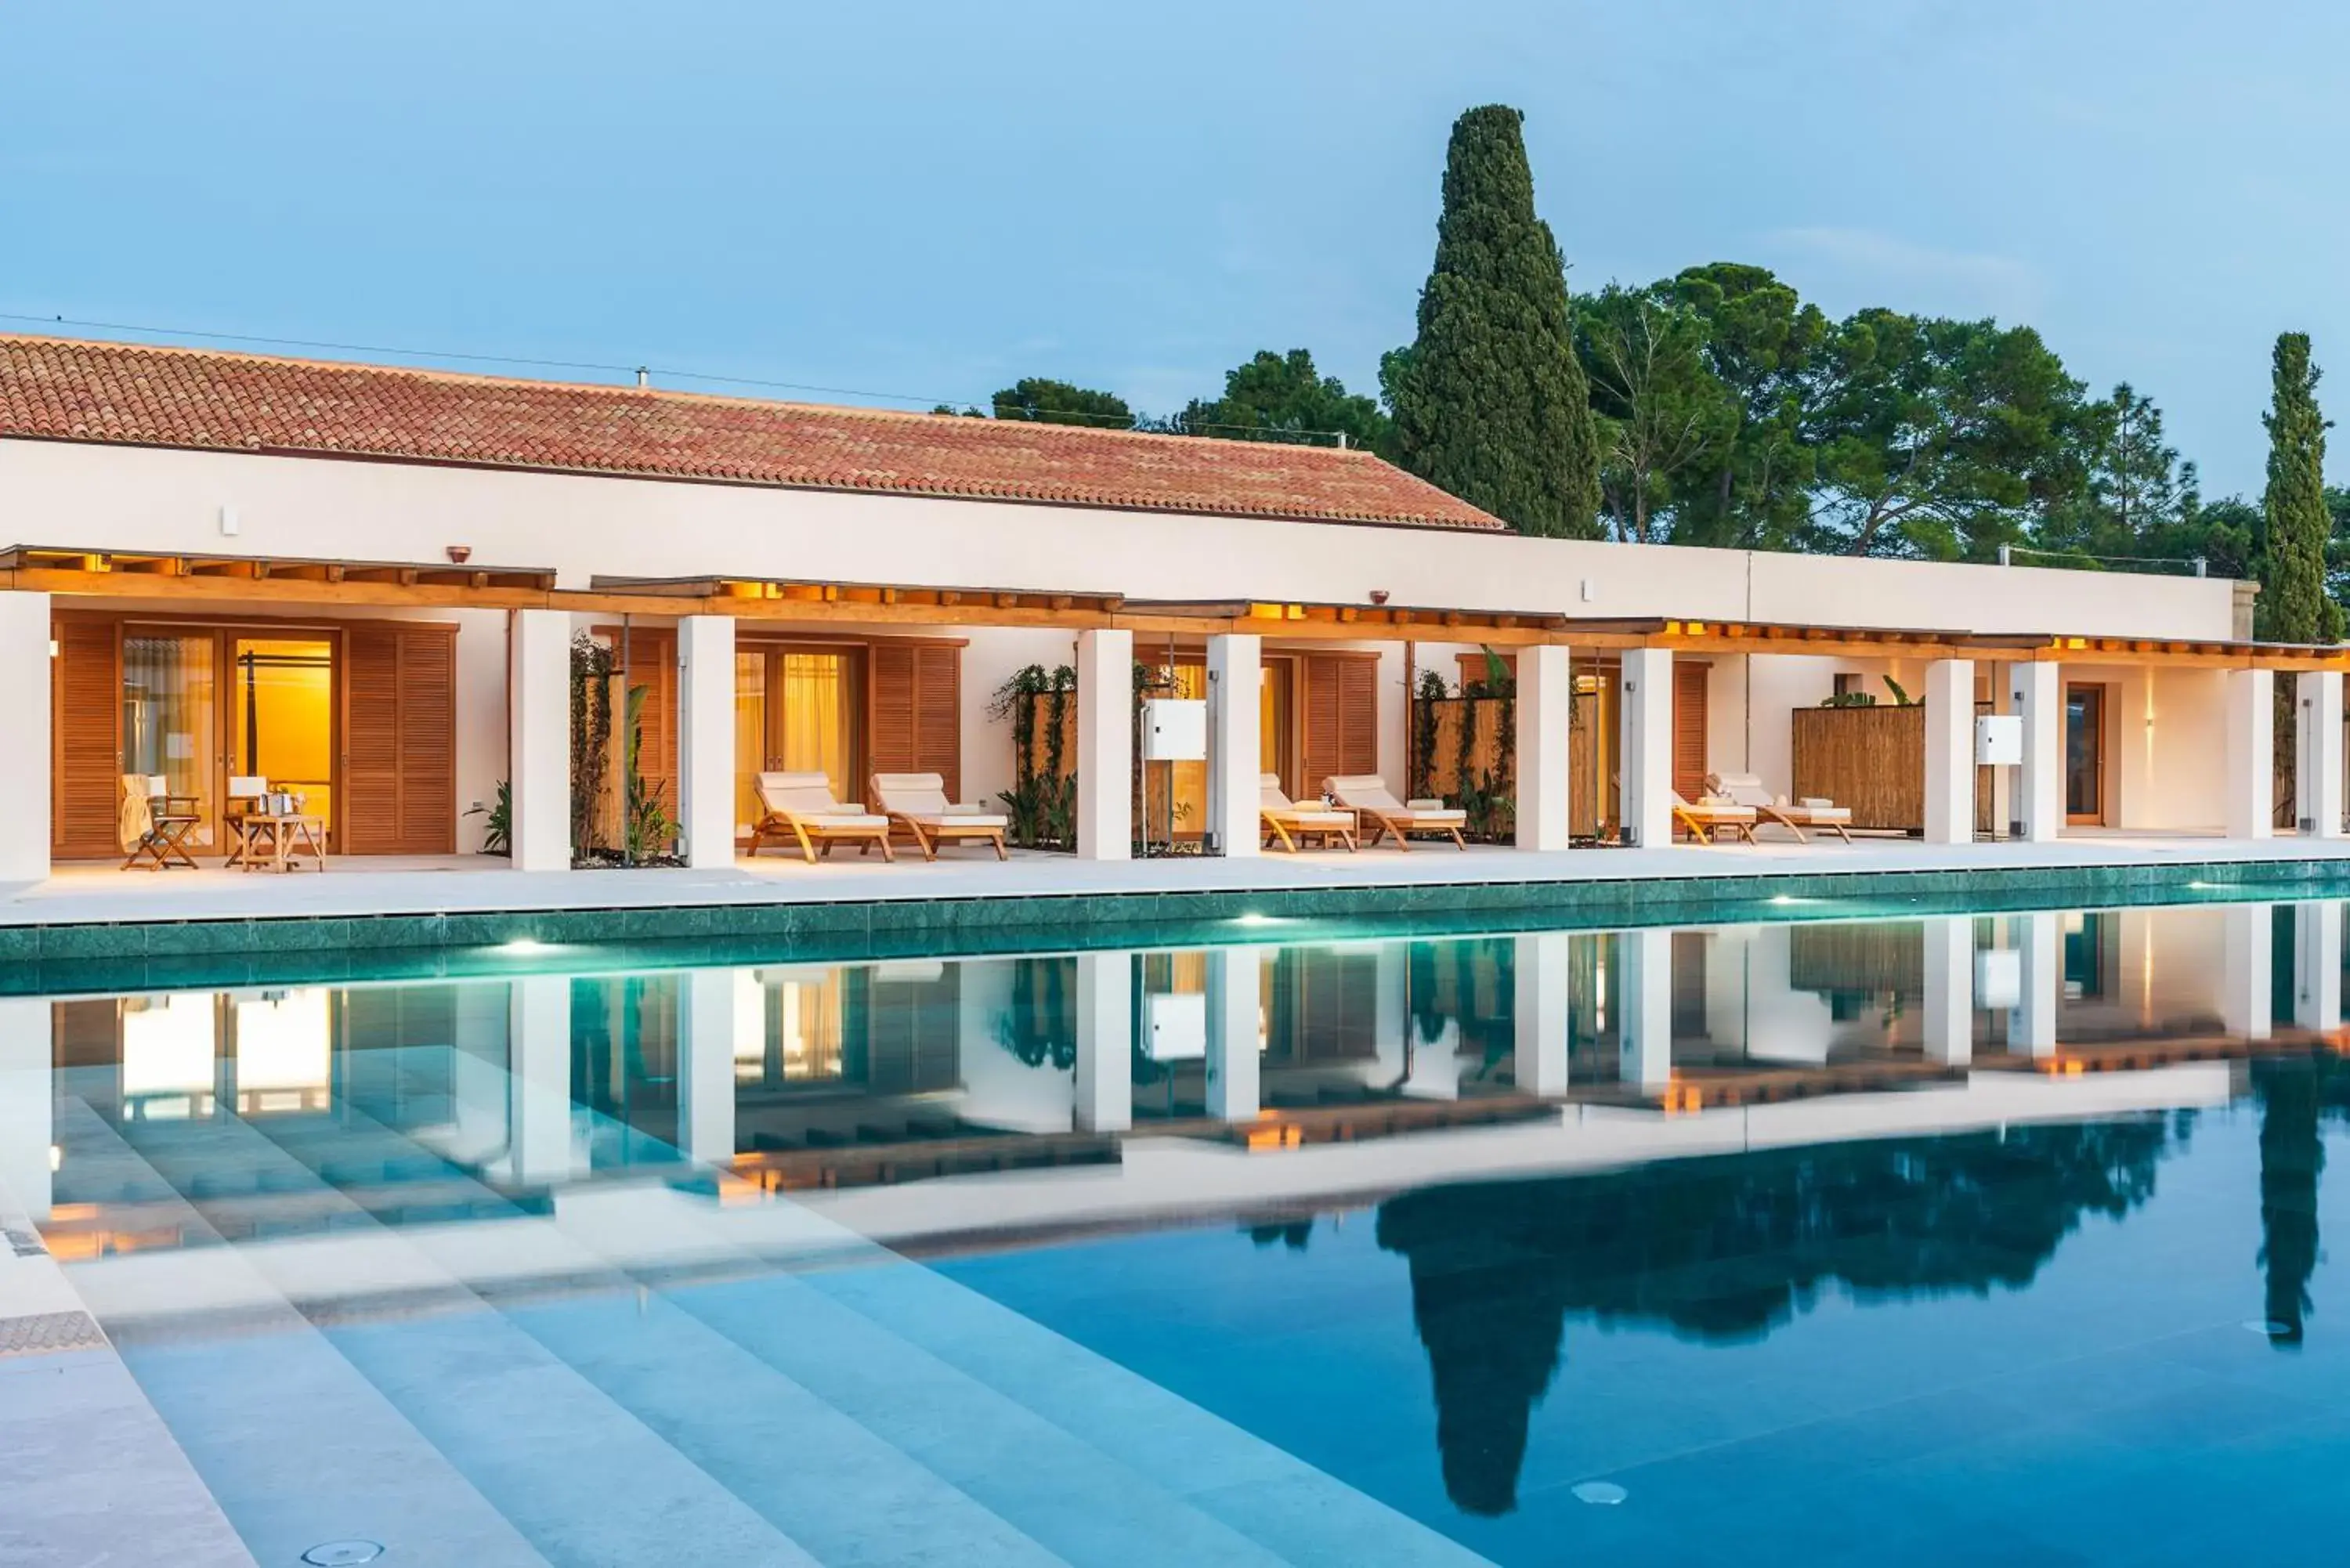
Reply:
x=457 y=884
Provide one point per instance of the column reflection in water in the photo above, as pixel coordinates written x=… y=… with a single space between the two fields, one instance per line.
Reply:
x=1105 y=1076
x=1644 y=1034
x=538 y=1109
x=1542 y=966
x=710 y=1039
x=28 y=1105
x=2031 y=1021
x=2318 y=967
x=2247 y=992
x=1949 y=978
x=1235 y=1031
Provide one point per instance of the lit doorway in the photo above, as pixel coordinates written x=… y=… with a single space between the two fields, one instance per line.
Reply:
x=281 y=716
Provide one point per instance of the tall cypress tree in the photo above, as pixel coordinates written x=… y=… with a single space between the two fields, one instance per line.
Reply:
x=1490 y=403
x=2293 y=603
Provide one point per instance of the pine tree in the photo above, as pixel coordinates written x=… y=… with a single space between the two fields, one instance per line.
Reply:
x=2293 y=603
x=1490 y=401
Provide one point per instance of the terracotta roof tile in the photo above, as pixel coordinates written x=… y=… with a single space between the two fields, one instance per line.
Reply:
x=69 y=389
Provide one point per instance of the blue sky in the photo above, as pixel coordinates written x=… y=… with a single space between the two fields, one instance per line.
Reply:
x=936 y=198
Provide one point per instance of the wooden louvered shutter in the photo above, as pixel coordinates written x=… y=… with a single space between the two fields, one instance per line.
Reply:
x=652 y=665
x=1342 y=717
x=914 y=711
x=1321 y=727
x=85 y=738
x=400 y=740
x=1359 y=714
x=1689 y=729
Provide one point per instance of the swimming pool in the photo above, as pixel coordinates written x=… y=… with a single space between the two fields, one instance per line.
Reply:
x=1832 y=1240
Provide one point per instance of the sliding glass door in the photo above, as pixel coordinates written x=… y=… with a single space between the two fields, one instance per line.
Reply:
x=798 y=709
x=171 y=717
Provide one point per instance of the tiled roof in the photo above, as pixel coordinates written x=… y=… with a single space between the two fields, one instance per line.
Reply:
x=68 y=390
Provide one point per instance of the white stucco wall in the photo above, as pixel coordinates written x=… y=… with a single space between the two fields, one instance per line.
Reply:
x=124 y=498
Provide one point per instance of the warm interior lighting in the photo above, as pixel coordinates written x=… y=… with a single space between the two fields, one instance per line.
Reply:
x=285 y=1049
x=169 y=1050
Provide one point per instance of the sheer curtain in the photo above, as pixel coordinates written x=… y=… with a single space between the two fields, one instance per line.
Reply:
x=816 y=734
x=750 y=733
x=168 y=715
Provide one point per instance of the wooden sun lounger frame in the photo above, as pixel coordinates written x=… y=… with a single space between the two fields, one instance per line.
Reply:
x=1800 y=818
x=811 y=831
x=1284 y=826
x=1702 y=824
x=932 y=828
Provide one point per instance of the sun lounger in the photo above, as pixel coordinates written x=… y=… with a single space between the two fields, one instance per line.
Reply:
x=1707 y=818
x=1286 y=822
x=1746 y=789
x=919 y=804
x=800 y=806
x=1367 y=794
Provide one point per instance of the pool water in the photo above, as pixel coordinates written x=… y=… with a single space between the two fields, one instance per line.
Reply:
x=1951 y=1240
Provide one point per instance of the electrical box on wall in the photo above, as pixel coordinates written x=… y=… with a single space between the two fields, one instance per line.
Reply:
x=1998 y=740
x=1174 y=729
x=1178 y=1025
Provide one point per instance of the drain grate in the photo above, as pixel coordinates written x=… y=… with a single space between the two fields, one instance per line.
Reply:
x=45 y=1332
x=23 y=1243
x=342 y=1554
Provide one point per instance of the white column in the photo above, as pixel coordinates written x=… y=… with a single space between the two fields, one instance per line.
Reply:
x=27 y=1103
x=2252 y=750
x=706 y=738
x=2247 y=1004
x=1951 y=751
x=1233 y=988
x=709 y=1012
x=1538 y=975
x=1235 y=729
x=2317 y=752
x=25 y=720
x=2317 y=966
x=538 y=739
x=1949 y=1005
x=1104 y=1075
x=539 y=1078
x=2039 y=945
x=1546 y=720
x=2037 y=692
x=1644 y=1035
x=1646 y=772
x=1105 y=745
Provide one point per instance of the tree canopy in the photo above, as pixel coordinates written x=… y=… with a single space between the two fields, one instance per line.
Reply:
x=1277 y=396
x=2294 y=606
x=1050 y=403
x=1491 y=403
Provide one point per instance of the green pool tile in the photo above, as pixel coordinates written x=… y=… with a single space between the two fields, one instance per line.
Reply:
x=93 y=942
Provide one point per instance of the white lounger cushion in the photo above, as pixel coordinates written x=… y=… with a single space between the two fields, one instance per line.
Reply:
x=922 y=797
x=1369 y=792
x=1272 y=801
x=808 y=798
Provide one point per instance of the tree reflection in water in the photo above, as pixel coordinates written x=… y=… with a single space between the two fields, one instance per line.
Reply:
x=1727 y=1249
x=2296 y=1093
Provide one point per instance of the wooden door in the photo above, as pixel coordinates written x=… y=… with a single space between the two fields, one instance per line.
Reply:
x=1341 y=716
x=914 y=711
x=2084 y=753
x=400 y=740
x=1690 y=768
x=85 y=738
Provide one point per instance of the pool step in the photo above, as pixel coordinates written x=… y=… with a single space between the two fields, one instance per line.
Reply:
x=1088 y=1507
x=1297 y=1511
x=605 y=1351
x=583 y=1479
x=295 y=1445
